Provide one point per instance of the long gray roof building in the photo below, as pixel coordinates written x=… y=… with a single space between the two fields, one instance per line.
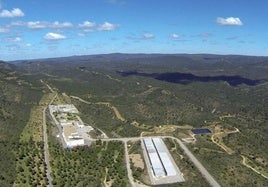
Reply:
x=155 y=161
x=164 y=157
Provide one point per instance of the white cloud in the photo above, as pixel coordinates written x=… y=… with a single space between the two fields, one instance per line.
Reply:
x=205 y=35
x=57 y=24
x=17 y=23
x=44 y=25
x=88 y=30
x=175 y=36
x=28 y=45
x=15 y=12
x=16 y=39
x=13 y=39
x=13 y=47
x=37 y=25
x=148 y=36
x=81 y=34
x=107 y=27
x=4 y=29
x=54 y=36
x=87 y=24
x=229 y=21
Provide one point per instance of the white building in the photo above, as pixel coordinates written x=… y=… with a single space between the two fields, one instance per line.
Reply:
x=155 y=161
x=71 y=136
x=164 y=157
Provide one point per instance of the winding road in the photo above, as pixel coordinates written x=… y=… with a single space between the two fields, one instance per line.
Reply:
x=221 y=144
x=244 y=162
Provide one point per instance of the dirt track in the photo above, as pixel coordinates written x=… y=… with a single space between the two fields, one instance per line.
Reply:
x=244 y=162
x=116 y=112
x=220 y=143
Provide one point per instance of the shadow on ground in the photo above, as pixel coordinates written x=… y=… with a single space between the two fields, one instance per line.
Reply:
x=187 y=78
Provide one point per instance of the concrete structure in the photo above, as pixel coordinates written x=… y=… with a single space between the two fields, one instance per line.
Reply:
x=159 y=158
x=71 y=137
x=155 y=161
x=161 y=167
x=67 y=109
x=63 y=109
x=164 y=157
x=72 y=130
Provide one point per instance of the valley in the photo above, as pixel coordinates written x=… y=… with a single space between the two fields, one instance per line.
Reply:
x=124 y=109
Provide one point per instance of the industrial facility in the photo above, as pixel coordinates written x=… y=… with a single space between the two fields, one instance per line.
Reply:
x=164 y=157
x=161 y=163
x=155 y=161
x=72 y=129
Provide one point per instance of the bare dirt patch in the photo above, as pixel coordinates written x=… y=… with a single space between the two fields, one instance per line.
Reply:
x=137 y=160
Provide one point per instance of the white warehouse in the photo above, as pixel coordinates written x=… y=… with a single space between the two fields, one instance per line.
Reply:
x=155 y=161
x=161 y=162
x=164 y=157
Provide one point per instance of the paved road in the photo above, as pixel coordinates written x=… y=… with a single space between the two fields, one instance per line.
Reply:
x=119 y=139
x=201 y=168
x=46 y=151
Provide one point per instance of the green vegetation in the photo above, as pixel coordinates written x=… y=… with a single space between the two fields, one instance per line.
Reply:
x=227 y=169
x=30 y=165
x=153 y=103
x=103 y=163
x=147 y=105
x=192 y=176
x=137 y=163
x=97 y=165
x=17 y=98
x=103 y=117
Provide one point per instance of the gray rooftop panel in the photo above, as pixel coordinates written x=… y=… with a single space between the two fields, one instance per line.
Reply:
x=164 y=157
x=157 y=166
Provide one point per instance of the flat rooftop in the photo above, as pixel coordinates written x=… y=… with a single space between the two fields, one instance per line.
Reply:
x=155 y=161
x=161 y=166
x=64 y=108
x=164 y=157
x=69 y=130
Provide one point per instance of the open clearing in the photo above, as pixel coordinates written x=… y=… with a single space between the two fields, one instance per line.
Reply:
x=137 y=160
x=217 y=138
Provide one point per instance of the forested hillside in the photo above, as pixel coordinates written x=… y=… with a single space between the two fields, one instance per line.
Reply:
x=17 y=97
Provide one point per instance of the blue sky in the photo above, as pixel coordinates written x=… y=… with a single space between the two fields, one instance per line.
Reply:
x=40 y=29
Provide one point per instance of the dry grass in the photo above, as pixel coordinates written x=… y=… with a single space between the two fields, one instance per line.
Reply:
x=217 y=138
x=34 y=127
x=137 y=160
